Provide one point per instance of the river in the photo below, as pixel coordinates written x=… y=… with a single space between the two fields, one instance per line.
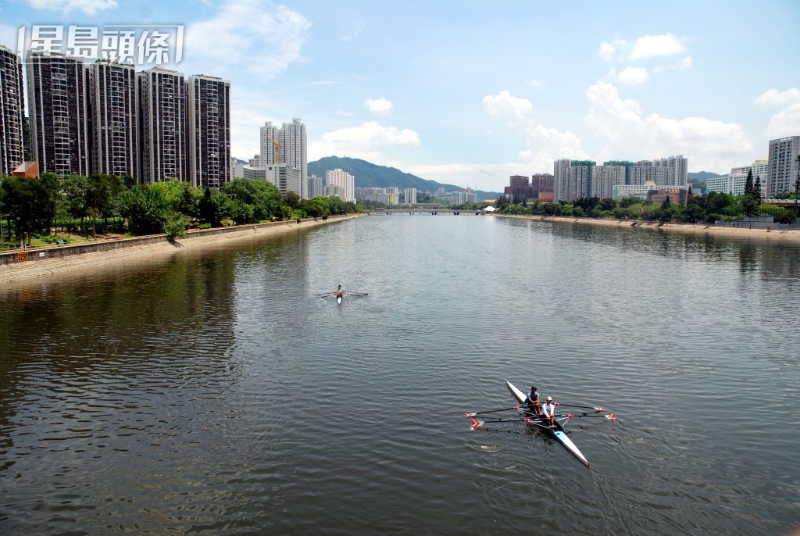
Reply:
x=216 y=393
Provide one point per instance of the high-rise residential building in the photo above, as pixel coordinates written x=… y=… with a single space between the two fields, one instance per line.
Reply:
x=286 y=145
x=12 y=111
x=410 y=196
x=576 y=179
x=342 y=179
x=675 y=170
x=209 y=118
x=605 y=178
x=113 y=119
x=271 y=145
x=573 y=179
x=315 y=186
x=734 y=182
x=783 y=165
x=295 y=154
x=58 y=108
x=162 y=105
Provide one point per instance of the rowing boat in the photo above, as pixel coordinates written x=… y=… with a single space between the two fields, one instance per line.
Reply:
x=539 y=421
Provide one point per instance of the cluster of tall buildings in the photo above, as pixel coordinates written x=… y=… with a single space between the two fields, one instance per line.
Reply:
x=105 y=117
x=776 y=175
x=577 y=179
x=282 y=159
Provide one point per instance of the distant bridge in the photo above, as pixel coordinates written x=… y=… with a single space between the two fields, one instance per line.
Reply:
x=424 y=211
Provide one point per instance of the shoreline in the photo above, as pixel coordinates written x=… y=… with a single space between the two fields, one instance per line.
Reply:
x=685 y=228
x=124 y=255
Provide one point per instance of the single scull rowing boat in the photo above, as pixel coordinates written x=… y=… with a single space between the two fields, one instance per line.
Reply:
x=556 y=433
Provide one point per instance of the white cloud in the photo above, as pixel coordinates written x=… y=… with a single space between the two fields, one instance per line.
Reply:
x=378 y=106
x=610 y=50
x=651 y=46
x=366 y=141
x=508 y=107
x=633 y=75
x=90 y=7
x=255 y=35
x=682 y=65
x=535 y=83
x=787 y=121
x=627 y=133
x=773 y=97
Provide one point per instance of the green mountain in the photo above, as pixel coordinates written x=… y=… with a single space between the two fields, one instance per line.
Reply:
x=702 y=176
x=369 y=175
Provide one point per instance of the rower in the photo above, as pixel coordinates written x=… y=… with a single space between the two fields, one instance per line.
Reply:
x=533 y=401
x=549 y=411
x=339 y=292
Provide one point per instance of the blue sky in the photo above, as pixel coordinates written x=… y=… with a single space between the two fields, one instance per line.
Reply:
x=469 y=93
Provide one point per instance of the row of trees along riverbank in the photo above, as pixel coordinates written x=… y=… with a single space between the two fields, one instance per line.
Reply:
x=705 y=208
x=38 y=209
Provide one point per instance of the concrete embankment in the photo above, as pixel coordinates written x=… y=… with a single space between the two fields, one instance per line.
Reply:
x=687 y=228
x=33 y=265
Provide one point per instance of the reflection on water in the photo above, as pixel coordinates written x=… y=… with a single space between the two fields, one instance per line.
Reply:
x=217 y=393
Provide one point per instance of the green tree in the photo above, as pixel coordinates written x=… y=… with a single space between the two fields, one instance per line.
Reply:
x=145 y=208
x=255 y=200
x=748 y=183
x=75 y=196
x=101 y=194
x=29 y=203
x=214 y=207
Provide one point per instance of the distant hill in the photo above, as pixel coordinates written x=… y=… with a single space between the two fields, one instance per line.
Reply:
x=368 y=175
x=703 y=176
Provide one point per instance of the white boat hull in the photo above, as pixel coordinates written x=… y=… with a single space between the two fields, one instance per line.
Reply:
x=558 y=434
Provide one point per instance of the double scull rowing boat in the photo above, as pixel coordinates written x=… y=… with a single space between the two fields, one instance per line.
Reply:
x=556 y=433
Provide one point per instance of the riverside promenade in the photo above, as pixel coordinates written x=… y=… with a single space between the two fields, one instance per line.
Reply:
x=40 y=264
x=686 y=228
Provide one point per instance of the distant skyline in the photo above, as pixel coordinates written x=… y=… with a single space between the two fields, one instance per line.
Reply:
x=468 y=93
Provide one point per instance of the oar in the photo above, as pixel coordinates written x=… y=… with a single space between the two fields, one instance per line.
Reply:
x=491 y=411
x=574 y=406
x=476 y=423
x=610 y=416
x=326 y=295
x=357 y=293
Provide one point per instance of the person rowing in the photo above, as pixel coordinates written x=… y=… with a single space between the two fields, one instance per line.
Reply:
x=533 y=401
x=339 y=292
x=549 y=412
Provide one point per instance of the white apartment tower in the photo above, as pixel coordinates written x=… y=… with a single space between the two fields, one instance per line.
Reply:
x=162 y=102
x=286 y=145
x=295 y=153
x=271 y=145
x=209 y=140
x=114 y=110
x=58 y=108
x=345 y=181
x=315 y=186
x=783 y=165
x=12 y=111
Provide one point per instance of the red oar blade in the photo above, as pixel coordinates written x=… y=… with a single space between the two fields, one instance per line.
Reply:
x=476 y=424
x=611 y=417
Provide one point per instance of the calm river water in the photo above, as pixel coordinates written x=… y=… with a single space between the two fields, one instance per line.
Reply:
x=216 y=393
